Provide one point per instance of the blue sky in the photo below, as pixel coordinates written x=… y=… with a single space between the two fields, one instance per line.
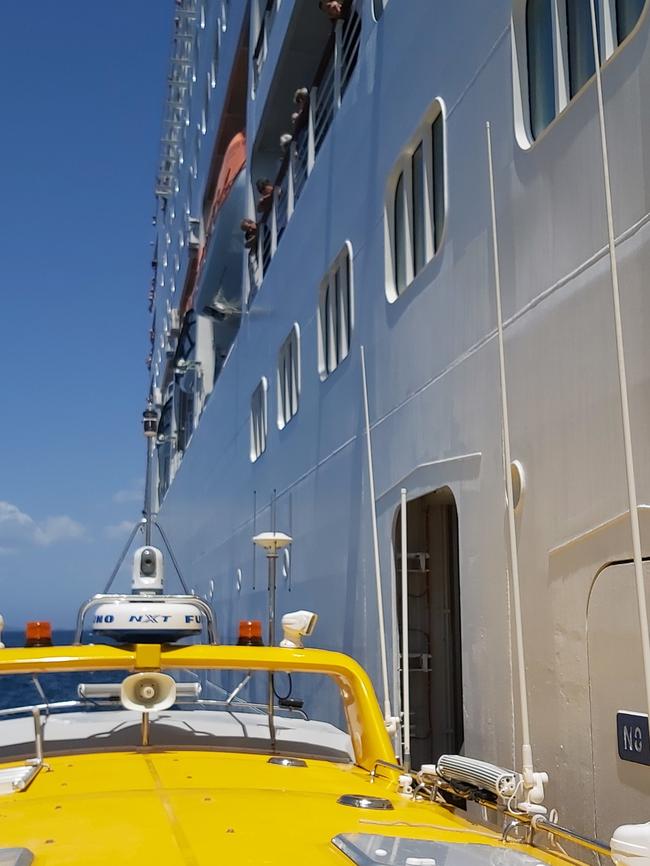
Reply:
x=83 y=84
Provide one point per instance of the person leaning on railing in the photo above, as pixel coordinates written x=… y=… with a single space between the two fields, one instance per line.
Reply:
x=249 y=227
x=300 y=116
x=334 y=9
x=265 y=188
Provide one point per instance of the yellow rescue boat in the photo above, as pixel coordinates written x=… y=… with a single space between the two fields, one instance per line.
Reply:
x=147 y=770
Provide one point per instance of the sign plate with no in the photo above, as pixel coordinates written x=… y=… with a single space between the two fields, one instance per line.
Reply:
x=633 y=736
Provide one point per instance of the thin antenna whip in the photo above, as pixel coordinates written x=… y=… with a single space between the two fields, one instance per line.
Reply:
x=388 y=715
x=622 y=375
x=533 y=782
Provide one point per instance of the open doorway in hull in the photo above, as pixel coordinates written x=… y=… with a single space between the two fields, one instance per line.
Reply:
x=435 y=671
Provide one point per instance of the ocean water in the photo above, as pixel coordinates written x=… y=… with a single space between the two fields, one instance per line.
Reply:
x=18 y=691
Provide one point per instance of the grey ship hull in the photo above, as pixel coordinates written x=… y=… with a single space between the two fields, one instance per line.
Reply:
x=434 y=399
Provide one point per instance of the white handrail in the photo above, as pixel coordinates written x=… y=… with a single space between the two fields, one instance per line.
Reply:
x=406 y=684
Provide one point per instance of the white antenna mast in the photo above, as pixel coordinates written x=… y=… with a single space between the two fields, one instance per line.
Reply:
x=391 y=723
x=622 y=375
x=533 y=782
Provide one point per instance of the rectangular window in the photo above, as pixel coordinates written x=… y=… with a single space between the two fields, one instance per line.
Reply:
x=415 y=213
x=289 y=378
x=628 y=13
x=541 y=66
x=332 y=325
x=325 y=326
x=259 y=420
x=344 y=310
x=335 y=314
x=580 y=42
x=438 y=197
x=184 y=412
x=418 y=180
x=400 y=222
x=214 y=65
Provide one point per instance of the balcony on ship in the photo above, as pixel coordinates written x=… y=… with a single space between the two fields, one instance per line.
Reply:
x=318 y=60
x=263 y=22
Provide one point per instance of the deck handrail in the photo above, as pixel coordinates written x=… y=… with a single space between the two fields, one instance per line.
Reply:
x=326 y=92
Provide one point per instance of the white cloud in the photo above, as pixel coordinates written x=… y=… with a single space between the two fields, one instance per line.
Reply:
x=119 y=530
x=133 y=493
x=62 y=528
x=17 y=527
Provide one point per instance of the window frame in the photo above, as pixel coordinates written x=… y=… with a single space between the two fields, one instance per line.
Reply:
x=336 y=316
x=289 y=376
x=259 y=417
x=401 y=186
x=216 y=55
x=377 y=8
x=205 y=108
x=609 y=46
x=616 y=22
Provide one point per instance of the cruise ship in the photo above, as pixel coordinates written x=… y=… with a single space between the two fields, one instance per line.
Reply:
x=339 y=236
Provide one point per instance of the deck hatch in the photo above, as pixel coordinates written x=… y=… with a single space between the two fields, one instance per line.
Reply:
x=360 y=801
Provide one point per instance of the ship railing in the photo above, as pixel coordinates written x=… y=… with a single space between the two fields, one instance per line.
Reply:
x=264 y=236
x=325 y=95
x=281 y=198
x=300 y=160
x=325 y=101
x=262 y=45
x=350 y=43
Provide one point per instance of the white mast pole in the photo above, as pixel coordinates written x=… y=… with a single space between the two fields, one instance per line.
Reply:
x=388 y=715
x=622 y=375
x=406 y=685
x=532 y=780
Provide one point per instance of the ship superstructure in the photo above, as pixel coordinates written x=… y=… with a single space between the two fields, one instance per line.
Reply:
x=323 y=187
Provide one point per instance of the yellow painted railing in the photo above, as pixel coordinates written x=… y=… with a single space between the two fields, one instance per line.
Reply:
x=366 y=726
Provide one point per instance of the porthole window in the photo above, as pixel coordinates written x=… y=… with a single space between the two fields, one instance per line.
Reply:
x=335 y=314
x=288 y=378
x=415 y=209
x=259 y=420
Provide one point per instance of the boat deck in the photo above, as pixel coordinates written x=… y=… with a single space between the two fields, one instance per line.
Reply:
x=199 y=808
